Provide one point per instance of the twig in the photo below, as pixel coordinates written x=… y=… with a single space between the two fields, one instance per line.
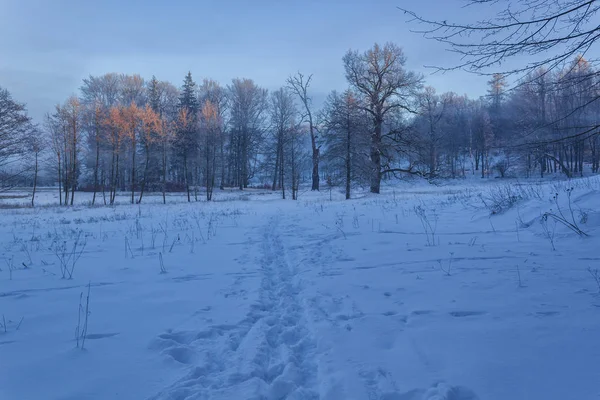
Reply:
x=87 y=313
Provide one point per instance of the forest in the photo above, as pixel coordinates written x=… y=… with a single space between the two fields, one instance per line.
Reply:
x=128 y=133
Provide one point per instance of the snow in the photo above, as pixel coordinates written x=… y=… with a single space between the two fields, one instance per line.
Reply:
x=315 y=299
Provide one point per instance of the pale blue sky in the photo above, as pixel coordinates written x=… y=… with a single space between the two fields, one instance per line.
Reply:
x=48 y=46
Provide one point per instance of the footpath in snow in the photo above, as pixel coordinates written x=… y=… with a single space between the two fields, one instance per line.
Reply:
x=419 y=294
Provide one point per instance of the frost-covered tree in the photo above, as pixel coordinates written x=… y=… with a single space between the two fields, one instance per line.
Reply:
x=346 y=129
x=248 y=105
x=299 y=84
x=378 y=76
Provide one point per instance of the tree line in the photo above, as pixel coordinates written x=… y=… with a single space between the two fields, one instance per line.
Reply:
x=121 y=133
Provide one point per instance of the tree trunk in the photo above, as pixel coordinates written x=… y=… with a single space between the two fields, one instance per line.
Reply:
x=244 y=160
x=483 y=163
x=59 y=180
x=276 y=175
x=116 y=180
x=222 y=140
x=35 y=175
x=281 y=176
x=315 y=159
x=74 y=174
x=133 y=145
x=376 y=156
x=164 y=171
x=293 y=157
x=66 y=169
x=185 y=176
x=145 y=176
x=96 y=164
x=208 y=173
x=103 y=180
x=348 y=161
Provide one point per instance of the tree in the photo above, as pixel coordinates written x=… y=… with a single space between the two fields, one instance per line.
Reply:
x=283 y=112
x=211 y=130
x=93 y=122
x=115 y=121
x=553 y=31
x=187 y=143
x=127 y=125
x=294 y=142
x=497 y=90
x=248 y=104
x=35 y=144
x=105 y=89
x=482 y=138
x=549 y=33
x=299 y=85
x=432 y=109
x=213 y=92
x=71 y=113
x=163 y=98
x=133 y=90
x=150 y=131
x=345 y=128
x=15 y=124
x=379 y=77
x=55 y=131
x=98 y=95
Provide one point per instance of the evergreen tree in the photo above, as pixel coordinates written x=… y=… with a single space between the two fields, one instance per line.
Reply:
x=188 y=98
x=187 y=140
x=154 y=95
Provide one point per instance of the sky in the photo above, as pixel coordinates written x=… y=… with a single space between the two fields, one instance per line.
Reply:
x=48 y=46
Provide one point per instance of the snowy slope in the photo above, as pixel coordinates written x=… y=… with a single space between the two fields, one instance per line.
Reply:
x=314 y=299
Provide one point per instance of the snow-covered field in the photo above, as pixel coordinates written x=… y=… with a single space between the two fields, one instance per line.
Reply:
x=418 y=293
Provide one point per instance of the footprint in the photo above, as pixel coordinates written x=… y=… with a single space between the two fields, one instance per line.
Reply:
x=460 y=314
x=546 y=313
x=182 y=337
x=191 y=277
x=182 y=355
x=438 y=392
x=421 y=312
x=94 y=336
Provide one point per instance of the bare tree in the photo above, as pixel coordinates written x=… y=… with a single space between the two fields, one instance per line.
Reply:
x=55 y=132
x=299 y=85
x=105 y=89
x=163 y=98
x=116 y=138
x=345 y=128
x=283 y=112
x=248 y=104
x=98 y=95
x=133 y=90
x=14 y=126
x=150 y=132
x=211 y=130
x=213 y=92
x=379 y=77
x=70 y=117
x=35 y=145
x=550 y=33
x=432 y=109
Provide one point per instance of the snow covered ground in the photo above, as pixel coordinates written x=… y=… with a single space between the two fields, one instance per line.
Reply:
x=419 y=293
